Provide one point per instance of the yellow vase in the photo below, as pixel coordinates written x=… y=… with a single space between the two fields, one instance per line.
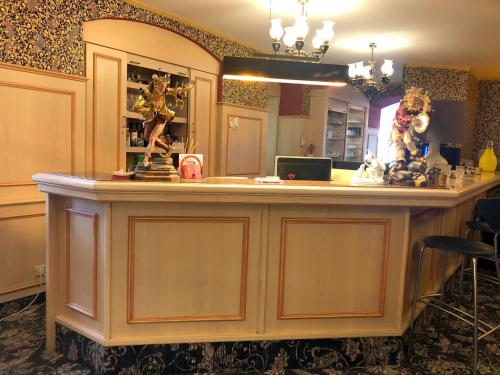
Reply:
x=488 y=160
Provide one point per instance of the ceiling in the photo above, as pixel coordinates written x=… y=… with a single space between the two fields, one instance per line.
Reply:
x=440 y=33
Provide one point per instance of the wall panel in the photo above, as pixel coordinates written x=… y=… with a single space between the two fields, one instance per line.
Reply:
x=43 y=130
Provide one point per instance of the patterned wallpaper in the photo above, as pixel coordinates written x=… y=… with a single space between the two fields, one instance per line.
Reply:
x=393 y=90
x=47 y=34
x=441 y=84
x=488 y=117
x=469 y=149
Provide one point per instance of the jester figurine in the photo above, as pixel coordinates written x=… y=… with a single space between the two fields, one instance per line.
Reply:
x=158 y=104
x=411 y=116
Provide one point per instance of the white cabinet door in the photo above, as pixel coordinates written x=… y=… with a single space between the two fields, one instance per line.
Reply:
x=202 y=117
x=106 y=70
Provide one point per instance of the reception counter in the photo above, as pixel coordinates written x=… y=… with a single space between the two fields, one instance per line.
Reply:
x=227 y=259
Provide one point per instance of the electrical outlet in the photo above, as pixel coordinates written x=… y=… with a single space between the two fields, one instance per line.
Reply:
x=40 y=270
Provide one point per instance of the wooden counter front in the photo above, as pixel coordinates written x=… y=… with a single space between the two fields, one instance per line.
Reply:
x=141 y=263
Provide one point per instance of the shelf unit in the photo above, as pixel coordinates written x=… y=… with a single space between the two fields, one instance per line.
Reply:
x=139 y=74
x=338 y=124
x=356 y=119
x=335 y=132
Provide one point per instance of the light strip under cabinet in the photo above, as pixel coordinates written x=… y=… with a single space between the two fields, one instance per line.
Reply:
x=283 y=71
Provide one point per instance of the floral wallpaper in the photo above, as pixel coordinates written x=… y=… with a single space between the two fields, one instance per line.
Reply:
x=253 y=94
x=488 y=117
x=47 y=34
x=441 y=84
x=391 y=91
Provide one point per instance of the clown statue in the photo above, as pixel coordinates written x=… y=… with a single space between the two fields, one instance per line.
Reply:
x=411 y=116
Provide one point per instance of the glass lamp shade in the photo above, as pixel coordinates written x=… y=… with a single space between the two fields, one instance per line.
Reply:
x=290 y=36
x=276 y=30
x=328 y=32
x=301 y=28
x=359 y=69
x=386 y=68
x=366 y=72
x=352 y=71
x=318 y=39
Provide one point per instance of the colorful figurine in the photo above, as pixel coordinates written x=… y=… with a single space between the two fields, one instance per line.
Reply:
x=412 y=115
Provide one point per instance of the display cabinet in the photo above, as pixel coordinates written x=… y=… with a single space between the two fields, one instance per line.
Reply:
x=356 y=119
x=338 y=123
x=115 y=132
x=140 y=71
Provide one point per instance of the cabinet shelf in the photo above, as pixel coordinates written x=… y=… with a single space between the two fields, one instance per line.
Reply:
x=136 y=85
x=140 y=150
x=138 y=116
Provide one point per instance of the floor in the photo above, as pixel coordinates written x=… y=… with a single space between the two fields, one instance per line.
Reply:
x=440 y=348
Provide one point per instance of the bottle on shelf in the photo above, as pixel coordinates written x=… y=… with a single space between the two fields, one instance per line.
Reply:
x=133 y=136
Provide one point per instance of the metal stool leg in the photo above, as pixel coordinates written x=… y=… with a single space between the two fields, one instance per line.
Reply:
x=461 y=282
x=414 y=302
x=474 y=297
x=497 y=266
x=442 y=289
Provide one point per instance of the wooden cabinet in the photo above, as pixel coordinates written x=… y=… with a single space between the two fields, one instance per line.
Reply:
x=114 y=80
x=106 y=69
x=202 y=117
x=241 y=140
x=117 y=48
x=338 y=123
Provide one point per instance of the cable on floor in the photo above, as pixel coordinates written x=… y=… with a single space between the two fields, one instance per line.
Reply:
x=31 y=303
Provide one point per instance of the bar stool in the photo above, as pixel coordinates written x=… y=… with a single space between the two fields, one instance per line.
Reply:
x=489 y=208
x=478 y=225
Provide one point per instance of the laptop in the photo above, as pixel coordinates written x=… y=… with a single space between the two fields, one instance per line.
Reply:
x=302 y=168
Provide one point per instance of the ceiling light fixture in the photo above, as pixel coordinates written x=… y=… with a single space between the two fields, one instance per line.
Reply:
x=294 y=36
x=363 y=76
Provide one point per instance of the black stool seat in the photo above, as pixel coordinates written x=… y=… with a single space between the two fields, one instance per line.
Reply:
x=459 y=245
x=479 y=225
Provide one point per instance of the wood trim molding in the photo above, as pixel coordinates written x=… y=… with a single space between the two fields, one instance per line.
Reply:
x=195 y=122
x=75 y=306
x=199 y=26
x=132 y=220
x=282 y=315
x=72 y=96
x=260 y=120
x=21 y=202
x=22 y=216
x=21 y=287
x=95 y=57
x=27 y=69
x=242 y=106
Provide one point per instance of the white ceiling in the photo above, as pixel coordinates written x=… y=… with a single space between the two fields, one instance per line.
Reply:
x=454 y=33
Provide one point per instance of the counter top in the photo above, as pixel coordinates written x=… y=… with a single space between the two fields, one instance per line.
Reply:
x=231 y=190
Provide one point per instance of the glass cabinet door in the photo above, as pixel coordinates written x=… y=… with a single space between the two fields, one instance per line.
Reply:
x=356 y=118
x=335 y=134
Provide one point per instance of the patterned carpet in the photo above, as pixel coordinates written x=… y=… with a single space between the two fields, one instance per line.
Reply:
x=440 y=348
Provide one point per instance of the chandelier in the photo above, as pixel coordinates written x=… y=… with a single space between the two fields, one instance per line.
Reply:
x=363 y=76
x=294 y=36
